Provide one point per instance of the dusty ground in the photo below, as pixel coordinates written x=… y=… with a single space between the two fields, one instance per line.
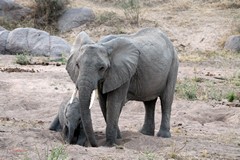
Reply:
x=204 y=128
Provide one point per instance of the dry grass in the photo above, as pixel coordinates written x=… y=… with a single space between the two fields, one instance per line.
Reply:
x=180 y=5
x=201 y=56
x=226 y=4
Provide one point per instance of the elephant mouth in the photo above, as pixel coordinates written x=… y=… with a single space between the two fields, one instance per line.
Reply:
x=75 y=92
x=78 y=133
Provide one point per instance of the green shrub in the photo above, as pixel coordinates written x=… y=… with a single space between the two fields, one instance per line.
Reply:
x=62 y=60
x=23 y=59
x=187 y=89
x=231 y=96
x=57 y=153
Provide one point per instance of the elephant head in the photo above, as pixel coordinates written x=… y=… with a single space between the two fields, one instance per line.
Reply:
x=73 y=124
x=111 y=64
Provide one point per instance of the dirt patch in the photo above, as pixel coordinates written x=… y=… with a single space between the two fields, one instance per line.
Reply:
x=29 y=102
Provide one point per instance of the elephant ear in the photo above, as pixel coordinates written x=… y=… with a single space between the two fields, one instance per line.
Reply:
x=81 y=40
x=123 y=57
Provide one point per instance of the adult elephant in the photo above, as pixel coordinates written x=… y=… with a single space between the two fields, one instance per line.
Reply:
x=142 y=67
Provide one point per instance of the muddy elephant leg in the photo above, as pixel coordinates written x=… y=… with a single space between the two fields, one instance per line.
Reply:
x=102 y=103
x=149 y=123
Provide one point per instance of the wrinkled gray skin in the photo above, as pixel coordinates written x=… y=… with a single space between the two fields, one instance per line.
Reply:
x=141 y=67
x=68 y=121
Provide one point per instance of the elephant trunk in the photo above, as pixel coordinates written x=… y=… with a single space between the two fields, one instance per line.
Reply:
x=70 y=136
x=84 y=100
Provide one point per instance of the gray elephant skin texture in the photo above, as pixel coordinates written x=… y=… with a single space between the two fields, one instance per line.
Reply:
x=68 y=122
x=141 y=67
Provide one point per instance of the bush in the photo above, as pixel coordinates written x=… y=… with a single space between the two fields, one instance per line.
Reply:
x=131 y=10
x=231 y=97
x=187 y=89
x=22 y=59
x=47 y=12
x=57 y=153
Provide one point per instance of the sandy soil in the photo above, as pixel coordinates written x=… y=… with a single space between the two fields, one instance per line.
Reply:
x=29 y=102
x=201 y=129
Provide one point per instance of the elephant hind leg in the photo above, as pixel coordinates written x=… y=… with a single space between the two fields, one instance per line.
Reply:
x=166 y=104
x=149 y=124
x=55 y=125
x=164 y=130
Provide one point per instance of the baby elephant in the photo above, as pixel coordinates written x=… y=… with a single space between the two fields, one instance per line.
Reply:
x=68 y=122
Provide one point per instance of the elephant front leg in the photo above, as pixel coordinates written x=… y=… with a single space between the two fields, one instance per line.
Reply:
x=149 y=124
x=115 y=101
x=102 y=103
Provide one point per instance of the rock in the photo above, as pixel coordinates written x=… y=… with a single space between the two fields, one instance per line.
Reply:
x=3 y=40
x=1 y=28
x=37 y=43
x=10 y=10
x=75 y=17
x=233 y=43
x=17 y=41
x=59 y=47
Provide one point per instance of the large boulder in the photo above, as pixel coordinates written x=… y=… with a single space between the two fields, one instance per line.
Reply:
x=58 y=47
x=35 y=42
x=10 y=10
x=75 y=17
x=3 y=40
x=233 y=43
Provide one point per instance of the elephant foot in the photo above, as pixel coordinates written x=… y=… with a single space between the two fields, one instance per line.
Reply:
x=81 y=141
x=164 y=134
x=109 y=143
x=119 y=136
x=147 y=130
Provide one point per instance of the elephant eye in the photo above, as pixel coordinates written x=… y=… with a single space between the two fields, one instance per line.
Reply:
x=101 y=69
x=77 y=65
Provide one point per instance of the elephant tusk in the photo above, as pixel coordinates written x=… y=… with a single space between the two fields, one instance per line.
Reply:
x=92 y=99
x=73 y=96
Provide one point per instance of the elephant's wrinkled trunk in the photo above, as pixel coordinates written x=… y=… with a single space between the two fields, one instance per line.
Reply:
x=84 y=100
x=66 y=134
x=70 y=135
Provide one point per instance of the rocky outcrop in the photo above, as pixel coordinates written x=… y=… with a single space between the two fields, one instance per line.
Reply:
x=75 y=17
x=33 y=41
x=3 y=40
x=233 y=43
x=11 y=11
